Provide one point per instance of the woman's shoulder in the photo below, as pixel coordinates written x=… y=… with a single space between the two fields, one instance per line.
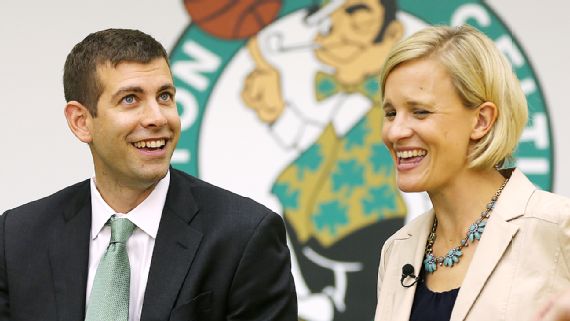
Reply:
x=524 y=198
x=548 y=206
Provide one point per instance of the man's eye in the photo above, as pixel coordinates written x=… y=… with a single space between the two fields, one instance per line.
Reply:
x=129 y=100
x=165 y=96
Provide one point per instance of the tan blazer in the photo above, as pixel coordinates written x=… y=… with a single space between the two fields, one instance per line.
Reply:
x=523 y=258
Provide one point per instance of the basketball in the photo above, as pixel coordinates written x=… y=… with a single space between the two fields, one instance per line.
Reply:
x=232 y=19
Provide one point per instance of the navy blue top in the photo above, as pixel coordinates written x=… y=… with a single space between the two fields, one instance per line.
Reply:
x=432 y=306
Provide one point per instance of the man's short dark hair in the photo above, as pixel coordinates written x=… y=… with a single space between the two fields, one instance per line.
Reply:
x=111 y=46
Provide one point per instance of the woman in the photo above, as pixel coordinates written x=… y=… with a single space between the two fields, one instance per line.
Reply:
x=493 y=247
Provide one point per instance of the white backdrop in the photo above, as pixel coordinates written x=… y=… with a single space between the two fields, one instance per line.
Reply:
x=39 y=155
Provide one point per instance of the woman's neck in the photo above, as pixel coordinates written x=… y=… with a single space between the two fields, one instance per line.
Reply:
x=460 y=203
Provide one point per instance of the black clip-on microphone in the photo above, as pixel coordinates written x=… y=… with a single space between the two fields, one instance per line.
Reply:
x=408 y=271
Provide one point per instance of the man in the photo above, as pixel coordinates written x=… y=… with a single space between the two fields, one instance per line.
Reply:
x=193 y=251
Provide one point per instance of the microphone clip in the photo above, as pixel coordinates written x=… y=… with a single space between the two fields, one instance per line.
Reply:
x=408 y=272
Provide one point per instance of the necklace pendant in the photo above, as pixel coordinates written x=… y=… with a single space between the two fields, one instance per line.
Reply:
x=452 y=257
x=475 y=231
x=429 y=263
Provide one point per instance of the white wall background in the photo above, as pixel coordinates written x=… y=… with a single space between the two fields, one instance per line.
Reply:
x=39 y=155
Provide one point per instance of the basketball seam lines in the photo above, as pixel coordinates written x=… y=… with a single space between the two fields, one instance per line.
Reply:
x=251 y=10
x=216 y=14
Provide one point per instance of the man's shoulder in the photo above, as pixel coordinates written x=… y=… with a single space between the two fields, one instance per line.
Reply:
x=57 y=200
x=217 y=200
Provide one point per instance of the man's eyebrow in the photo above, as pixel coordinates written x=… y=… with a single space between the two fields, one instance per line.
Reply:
x=125 y=90
x=167 y=87
x=136 y=89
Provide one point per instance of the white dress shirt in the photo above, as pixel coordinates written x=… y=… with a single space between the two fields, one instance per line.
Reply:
x=146 y=216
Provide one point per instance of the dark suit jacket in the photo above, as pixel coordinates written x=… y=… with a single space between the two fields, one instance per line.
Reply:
x=217 y=256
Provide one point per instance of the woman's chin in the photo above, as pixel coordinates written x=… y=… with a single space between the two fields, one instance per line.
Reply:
x=409 y=187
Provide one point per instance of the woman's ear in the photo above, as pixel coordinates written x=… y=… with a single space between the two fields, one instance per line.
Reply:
x=79 y=120
x=486 y=115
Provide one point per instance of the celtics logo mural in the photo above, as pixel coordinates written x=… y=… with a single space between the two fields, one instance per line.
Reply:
x=279 y=101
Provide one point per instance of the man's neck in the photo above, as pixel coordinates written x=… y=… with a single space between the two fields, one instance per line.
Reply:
x=122 y=198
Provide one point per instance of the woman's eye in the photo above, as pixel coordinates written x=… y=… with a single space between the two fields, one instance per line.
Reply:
x=421 y=113
x=389 y=114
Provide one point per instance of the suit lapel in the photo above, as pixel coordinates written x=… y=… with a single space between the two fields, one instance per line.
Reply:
x=496 y=239
x=69 y=256
x=174 y=250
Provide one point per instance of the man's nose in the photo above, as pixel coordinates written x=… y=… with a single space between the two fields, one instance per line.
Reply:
x=153 y=115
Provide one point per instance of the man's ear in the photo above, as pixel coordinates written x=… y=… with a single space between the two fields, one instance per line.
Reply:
x=486 y=115
x=79 y=120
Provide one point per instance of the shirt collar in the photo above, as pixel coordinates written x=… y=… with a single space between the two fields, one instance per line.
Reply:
x=145 y=216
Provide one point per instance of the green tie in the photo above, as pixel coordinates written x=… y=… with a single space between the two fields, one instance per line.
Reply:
x=109 y=298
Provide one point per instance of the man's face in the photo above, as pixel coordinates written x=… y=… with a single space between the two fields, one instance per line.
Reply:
x=137 y=125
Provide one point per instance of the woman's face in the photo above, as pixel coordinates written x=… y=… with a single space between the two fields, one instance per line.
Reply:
x=426 y=127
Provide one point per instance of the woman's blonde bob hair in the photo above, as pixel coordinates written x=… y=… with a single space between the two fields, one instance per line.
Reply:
x=480 y=73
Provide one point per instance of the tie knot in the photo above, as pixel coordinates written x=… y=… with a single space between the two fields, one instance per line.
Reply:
x=121 y=229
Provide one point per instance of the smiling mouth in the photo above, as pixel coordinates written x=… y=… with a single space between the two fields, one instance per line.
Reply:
x=150 y=144
x=410 y=156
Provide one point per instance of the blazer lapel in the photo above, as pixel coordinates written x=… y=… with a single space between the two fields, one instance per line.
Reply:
x=497 y=237
x=174 y=250
x=411 y=248
x=69 y=256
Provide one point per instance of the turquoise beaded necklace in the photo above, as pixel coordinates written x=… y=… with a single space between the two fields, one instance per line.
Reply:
x=473 y=233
